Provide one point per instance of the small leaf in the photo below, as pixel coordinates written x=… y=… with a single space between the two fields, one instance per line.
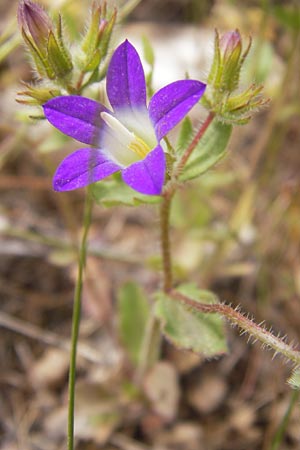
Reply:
x=114 y=192
x=189 y=329
x=209 y=151
x=294 y=380
x=148 y=51
x=133 y=311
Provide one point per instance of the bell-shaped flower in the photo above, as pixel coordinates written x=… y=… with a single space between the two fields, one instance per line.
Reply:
x=126 y=138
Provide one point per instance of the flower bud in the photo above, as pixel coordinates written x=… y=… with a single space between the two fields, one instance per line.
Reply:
x=45 y=41
x=223 y=80
x=227 y=62
x=231 y=44
x=231 y=49
x=36 y=95
x=94 y=46
x=34 y=22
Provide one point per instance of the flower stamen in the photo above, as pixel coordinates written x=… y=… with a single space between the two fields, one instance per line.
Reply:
x=139 y=147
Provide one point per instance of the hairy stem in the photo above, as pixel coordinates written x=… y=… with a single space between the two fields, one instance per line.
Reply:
x=165 y=242
x=165 y=208
x=153 y=334
x=76 y=317
x=193 y=144
x=245 y=324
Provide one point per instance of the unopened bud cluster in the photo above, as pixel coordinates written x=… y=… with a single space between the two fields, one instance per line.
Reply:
x=60 y=70
x=221 y=95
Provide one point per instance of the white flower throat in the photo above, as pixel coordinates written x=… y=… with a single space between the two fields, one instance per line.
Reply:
x=119 y=140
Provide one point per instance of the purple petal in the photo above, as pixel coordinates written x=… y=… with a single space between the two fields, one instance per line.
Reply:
x=83 y=167
x=171 y=103
x=147 y=176
x=76 y=116
x=126 y=86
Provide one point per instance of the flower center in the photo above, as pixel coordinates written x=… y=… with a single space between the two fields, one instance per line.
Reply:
x=127 y=138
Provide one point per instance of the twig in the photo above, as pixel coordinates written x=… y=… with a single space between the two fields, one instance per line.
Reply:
x=47 y=337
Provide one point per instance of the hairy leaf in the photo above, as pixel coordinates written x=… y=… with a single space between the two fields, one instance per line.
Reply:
x=189 y=329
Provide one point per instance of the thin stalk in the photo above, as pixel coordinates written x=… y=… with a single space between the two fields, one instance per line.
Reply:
x=277 y=440
x=76 y=316
x=165 y=210
x=152 y=339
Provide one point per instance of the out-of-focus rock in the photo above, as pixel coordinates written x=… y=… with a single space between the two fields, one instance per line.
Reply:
x=162 y=389
x=207 y=395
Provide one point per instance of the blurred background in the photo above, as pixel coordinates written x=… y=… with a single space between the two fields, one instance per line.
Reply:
x=236 y=231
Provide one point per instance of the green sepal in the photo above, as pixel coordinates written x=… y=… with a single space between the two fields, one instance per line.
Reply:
x=94 y=62
x=58 y=58
x=41 y=62
x=133 y=314
x=89 y=43
x=105 y=35
x=115 y=192
x=189 y=329
x=231 y=70
x=96 y=41
x=294 y=380
x=185 y=135
x=35 y=95
x=211 y=148
x=215 y=71
x=60 y=40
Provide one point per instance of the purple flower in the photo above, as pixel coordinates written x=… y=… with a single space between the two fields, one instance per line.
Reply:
x=126 y=139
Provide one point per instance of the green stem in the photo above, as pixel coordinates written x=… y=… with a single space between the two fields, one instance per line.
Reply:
x=277 y=440
x=76 y=316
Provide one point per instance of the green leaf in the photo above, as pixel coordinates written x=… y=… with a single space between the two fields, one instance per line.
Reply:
x=211 y=148
x=133 y=313
x=294 y=380
x=148 y=51
x=114 y=192
x=185 y=135
x=189 y=329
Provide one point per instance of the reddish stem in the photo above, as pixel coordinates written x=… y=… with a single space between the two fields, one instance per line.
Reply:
x=193 y=144
x=244 y=323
